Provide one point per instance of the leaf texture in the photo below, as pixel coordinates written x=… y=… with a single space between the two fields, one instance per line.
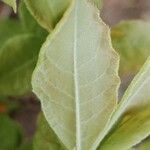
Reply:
x=76 y=77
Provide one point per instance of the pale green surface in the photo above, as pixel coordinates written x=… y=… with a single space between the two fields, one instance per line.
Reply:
x=47 y=12
x=18 y=58
x=45 y=138
x=76 y=77
x=137 y=95
x=12 y=3
x=132 y=41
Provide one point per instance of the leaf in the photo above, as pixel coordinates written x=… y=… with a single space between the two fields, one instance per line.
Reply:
x=45 y=137
x=18 y=58
x=137 y=95
x=29 y=24
x=46 y=12
x=10 y=27
x=76 y=77
x=133 y=127
x=10 y=134
x=145 y=145
x=12 y=3
x=132 y=41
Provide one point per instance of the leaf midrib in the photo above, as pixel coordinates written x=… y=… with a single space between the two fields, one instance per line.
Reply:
x=76 y=83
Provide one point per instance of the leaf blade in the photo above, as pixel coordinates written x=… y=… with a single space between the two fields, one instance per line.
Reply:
x=66 y=98
x=18 y=59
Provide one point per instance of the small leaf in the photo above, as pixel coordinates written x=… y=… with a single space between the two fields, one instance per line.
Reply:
x=46 y=12
x=132 y=41
x=10 y=134
x=76 y=77
x=12 y=3
x=45 y=138
x=18 y=58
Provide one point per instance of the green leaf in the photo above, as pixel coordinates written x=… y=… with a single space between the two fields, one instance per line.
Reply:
x=45 y=138
x=133 y=127
x=136 y=96
x=8 y=29
x=76 y=77
x=46 y=12
x=29 y=24
x=18 y=59
x=132 y=41
x=12 y=3
x=10 y=134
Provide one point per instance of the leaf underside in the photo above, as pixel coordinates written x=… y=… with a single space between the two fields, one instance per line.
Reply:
x=76 y=77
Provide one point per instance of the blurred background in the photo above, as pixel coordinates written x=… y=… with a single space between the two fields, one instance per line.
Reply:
x=25 y=109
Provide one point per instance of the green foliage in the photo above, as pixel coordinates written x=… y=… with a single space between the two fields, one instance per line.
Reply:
x=19 y=50
x=18 y=59
x=132 y=41
x=76 y=77
x=26 y=145
x=10 y=134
